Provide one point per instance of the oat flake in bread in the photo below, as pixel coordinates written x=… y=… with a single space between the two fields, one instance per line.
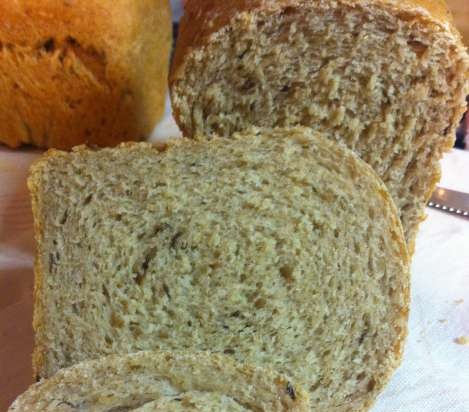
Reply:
x=388 y=78
x=279 y=248
x=165 y=382
x=74 y=72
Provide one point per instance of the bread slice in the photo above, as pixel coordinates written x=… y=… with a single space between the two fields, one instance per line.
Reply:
x=277 y=247
x=163 y=381
x=388 y=78
x=75 y=72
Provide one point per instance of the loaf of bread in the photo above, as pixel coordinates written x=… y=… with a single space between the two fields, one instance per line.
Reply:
x=166 y=382
x=74 y=72
x=388 y=78
x=276 y=247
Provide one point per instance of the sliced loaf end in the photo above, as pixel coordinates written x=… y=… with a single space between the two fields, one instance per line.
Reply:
x=164 y=381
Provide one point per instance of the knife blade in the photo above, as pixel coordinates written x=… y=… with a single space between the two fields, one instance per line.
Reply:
x=450 y=201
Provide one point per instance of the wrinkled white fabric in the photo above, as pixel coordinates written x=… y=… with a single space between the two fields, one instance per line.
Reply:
x=434 y=376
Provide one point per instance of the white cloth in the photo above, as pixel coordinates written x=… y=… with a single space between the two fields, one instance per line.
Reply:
x=434 y=376
x=177 y=6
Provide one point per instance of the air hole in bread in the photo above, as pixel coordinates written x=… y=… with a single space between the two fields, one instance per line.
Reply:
x=49 y=45
x=418 y=47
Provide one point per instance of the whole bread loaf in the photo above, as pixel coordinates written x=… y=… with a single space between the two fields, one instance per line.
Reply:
x=163 y=381
x=388 y=78
x=74 y=72
x=279 y=248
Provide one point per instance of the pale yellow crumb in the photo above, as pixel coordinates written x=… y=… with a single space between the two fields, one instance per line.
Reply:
x=221 y=245
x=443 y=320
x=284 y=65
x=459 y=301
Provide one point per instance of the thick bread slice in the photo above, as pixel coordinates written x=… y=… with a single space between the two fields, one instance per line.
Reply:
x=388 y=78
x=277 y=247
x=163 y=381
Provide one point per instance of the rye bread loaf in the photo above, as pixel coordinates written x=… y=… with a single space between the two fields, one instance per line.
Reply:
x=276 y=247
x=74 y=72
x=163 y=381
x=388 y=78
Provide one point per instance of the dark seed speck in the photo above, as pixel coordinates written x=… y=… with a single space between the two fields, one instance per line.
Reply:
x=291 y=391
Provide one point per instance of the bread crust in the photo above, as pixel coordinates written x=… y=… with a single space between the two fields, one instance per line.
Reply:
x=82 y=72
x=204 y=18
x=259 y=388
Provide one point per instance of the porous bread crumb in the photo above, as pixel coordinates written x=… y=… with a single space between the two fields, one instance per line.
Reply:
x=260 y=247
x=386 y=78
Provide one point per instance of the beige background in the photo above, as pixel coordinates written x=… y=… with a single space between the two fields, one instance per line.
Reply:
x=460 y=10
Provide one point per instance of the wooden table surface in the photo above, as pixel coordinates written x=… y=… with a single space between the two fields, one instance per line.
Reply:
x=16 y=275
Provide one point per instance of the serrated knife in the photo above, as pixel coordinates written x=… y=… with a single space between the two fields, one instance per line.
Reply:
x=450 y=201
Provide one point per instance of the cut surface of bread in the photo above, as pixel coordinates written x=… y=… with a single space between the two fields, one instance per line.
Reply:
x=388 y=78
x=163 y=381
x=276 y=247
x=74 y=72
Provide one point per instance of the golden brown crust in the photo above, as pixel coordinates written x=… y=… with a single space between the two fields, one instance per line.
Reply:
x=203 y=18
x=37 y=357
x=82 y=72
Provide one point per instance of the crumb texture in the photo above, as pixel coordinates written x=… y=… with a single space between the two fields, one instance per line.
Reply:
x=276 y=247
x=384 y=78
x=163 y=381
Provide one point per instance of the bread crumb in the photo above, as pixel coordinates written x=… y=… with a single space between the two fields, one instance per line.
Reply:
x=462 y=340
x=459 y=301
x=443 y=320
